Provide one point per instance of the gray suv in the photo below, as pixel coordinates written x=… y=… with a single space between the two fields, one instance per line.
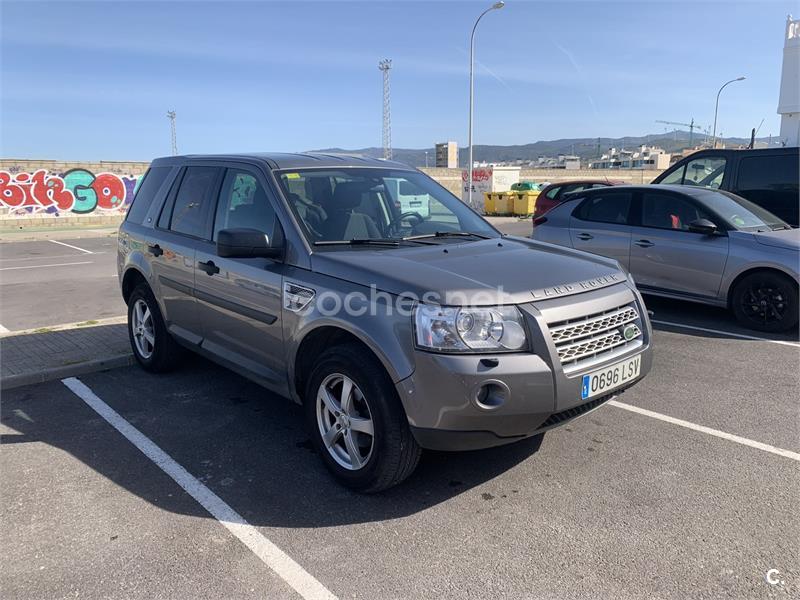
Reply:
x=365 y=291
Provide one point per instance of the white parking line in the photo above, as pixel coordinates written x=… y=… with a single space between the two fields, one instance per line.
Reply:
x=730 y=333
x=86 y=262
x=4 y=330
x=277 y=560
x=43 y=257
x=71 y=246
x=703 y=429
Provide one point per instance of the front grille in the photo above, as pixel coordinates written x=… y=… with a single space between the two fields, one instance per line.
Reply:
x=592 y=336
x=575 y=411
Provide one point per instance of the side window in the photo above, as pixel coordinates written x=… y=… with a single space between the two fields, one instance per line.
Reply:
x=768 y=173
x=665 y=211
x=243 y=203
x=706 y=171
x=146 y=193
x=190 y=212
x=676 y=177
x=605 y=208
x=553 y=192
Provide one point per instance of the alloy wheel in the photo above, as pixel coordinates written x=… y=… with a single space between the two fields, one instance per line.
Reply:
x=142 y=328
x=764 y=303
x=345 y=421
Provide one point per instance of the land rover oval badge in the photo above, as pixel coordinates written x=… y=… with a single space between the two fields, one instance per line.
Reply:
x=629 y=332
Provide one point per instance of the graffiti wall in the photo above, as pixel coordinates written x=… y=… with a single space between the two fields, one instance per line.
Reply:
x=73 y=192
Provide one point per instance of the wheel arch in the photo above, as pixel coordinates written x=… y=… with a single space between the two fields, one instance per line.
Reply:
x=317 y=340
x=132 y=278
x=750 y=271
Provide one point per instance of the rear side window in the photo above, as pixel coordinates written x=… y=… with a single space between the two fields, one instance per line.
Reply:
x=611 y=207
x=146 y=193
x=768 y=173
x=190 y=211
x=553 y=193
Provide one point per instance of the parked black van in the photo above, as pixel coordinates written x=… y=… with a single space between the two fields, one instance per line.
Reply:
x=768 y=177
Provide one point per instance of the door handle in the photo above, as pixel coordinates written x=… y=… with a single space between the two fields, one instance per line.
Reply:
x=585 y=236
x=644 y=243
x=155 y=250
x=209 y=267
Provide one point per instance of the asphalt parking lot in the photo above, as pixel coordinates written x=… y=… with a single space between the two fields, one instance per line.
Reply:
x=201 y=484
x=47 y=282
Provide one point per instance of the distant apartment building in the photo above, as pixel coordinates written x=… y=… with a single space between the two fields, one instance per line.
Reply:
x=447 y=155
x=646 y=157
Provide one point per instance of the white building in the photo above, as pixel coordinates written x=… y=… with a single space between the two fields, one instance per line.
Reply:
x=646 y=157
x=789 y=102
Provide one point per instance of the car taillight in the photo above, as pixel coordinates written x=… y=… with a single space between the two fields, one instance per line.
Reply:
x=539 y=221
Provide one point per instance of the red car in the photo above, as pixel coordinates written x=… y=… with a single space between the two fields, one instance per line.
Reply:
x=554 y=194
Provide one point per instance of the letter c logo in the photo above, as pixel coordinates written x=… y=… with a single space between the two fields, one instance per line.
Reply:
x=772 y=577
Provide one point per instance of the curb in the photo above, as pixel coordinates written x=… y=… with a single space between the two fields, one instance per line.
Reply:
x=82 y=368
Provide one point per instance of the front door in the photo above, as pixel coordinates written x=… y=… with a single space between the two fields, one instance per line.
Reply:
x=600 y=225
x=666 y=256
x=240 y=299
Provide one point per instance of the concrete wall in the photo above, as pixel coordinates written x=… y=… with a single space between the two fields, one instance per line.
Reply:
x=48 y=193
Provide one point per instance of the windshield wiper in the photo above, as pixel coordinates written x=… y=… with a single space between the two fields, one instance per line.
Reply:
x=444 y=234
x=359 y=242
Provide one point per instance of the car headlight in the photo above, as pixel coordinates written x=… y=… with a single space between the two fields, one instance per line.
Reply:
x=454 y=329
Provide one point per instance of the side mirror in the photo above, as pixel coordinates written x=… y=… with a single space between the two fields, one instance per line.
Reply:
x=246 y=243
x=703 y=226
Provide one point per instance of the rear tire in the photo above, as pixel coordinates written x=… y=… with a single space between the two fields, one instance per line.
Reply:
x=350 y=402
x=153 y=347
x=766 y=301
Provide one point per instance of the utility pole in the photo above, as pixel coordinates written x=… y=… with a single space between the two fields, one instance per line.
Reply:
x=171 y=116
x=384 y=66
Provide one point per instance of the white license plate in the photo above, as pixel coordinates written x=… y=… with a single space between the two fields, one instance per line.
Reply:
x=610 y=378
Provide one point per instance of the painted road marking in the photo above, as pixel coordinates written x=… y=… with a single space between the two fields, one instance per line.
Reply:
x=275 y=558
x=4 y=330
x=703 y=429
x=44 y=257
x=719 y=331
x=86 y=262
x=71 y=246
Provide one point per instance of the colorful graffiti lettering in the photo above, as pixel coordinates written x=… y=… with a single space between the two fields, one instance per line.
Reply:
x=78 y=191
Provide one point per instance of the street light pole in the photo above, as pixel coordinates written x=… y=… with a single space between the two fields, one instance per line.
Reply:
x=495 y=6
x=716 y=110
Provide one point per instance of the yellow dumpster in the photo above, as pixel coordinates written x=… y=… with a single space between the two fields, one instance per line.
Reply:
x=488 y=203
x=525 y=202
x=504 y=203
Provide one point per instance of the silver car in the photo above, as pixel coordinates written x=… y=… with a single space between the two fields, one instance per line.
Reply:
x=398 y=326
x=695 y=244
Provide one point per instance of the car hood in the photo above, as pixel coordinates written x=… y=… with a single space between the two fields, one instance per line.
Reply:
x=508 y=270
x=784 y=238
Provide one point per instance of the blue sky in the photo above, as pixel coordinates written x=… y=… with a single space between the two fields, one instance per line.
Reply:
x=94 y=80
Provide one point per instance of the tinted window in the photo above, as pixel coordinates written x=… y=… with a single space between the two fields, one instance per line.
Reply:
x=146 y=193
x=666 y=211
x=611 y=207
x=189 y=214
x=553 y=193
x=706 y=171
x=768 y=173
x=243 y=203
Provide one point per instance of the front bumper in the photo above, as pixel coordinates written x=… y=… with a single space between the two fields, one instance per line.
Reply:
x=446 y=401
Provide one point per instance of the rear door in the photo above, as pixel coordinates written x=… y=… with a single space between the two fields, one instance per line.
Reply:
x=600 y=225
x=181 y=228
x=666 y=256
x=771 y=181
x=240 y=299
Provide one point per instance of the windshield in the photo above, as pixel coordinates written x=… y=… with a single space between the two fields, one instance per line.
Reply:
x=741 y=213
x=341 y=205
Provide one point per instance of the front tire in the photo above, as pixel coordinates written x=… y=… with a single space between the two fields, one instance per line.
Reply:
x=766 y=301
x=356 y=421
x=153 y=347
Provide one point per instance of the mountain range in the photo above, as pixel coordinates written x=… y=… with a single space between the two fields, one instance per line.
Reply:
x=586 y=148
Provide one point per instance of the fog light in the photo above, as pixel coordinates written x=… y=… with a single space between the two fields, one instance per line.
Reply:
x=491 y=395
